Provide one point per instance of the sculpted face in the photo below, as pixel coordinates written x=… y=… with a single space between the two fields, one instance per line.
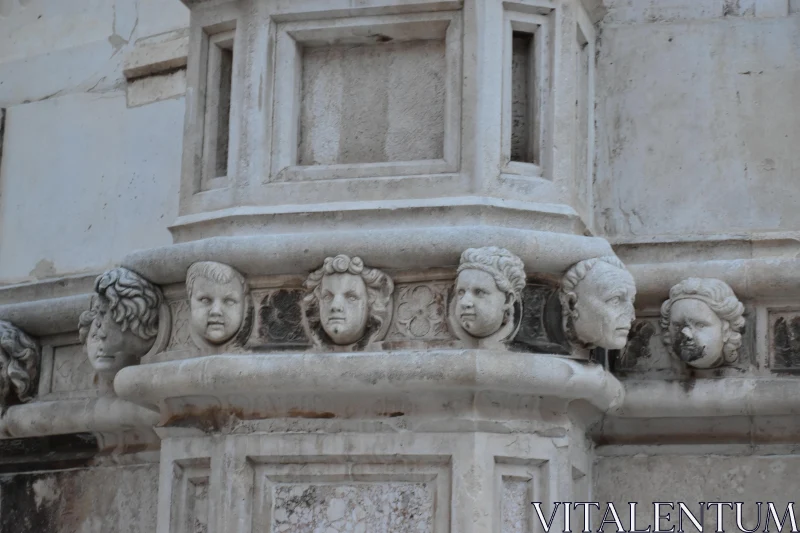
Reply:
x=217 y=309
x=343 y=307
x=109 y=348
x=480 y=306
x=604 y=304
x=697 y=333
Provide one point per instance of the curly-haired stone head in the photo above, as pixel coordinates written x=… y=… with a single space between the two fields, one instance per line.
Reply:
x=346 y=299
x=122 y=323
x=19 y=357
x=597 y=298
x=490 y=281
x=702 y=321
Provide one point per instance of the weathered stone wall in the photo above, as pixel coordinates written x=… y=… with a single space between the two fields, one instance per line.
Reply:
x=99 y=499
x=85 y=178
x=697 y=121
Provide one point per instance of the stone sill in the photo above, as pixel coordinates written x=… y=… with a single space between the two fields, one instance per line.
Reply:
x=726 y=397
x=115 y=422
x=244 y=382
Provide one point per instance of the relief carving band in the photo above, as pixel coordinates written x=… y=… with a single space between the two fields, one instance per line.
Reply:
x=597 y=298
x=122 y=322
x=487 y=291
x=702 y=321
x=217 y=301
x=20 y=357
x=347 y=302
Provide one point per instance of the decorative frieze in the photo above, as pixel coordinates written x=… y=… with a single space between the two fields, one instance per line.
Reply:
x=420 y=312
x=785 y=344
x=281 y=318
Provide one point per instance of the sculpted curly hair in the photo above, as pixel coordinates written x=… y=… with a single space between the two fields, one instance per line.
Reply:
x=379 y=294
x=20 y=355
x=132 y=301
x=507 y=269
x=717 y=295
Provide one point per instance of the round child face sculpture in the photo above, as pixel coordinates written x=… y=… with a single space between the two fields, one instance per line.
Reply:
x=343 y=307
x=603 y=307
x=108 y=347
x=481 y=306
x=217 y=308
x=698 y=334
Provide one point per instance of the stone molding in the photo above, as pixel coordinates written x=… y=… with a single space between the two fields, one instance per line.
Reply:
x=236 y=381
x=113 y=420
x=710 y=398
x=433 y=247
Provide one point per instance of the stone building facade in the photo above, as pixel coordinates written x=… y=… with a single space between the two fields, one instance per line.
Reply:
x=383 y=265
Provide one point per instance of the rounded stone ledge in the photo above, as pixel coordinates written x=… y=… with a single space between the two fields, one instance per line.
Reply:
x=46 y=316
x=250 y=378
x=106 y=414
x=728 y=397
x=408 y=248
x=749 y=278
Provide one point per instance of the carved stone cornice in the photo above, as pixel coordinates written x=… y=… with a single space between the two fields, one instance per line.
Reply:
x=248 y=385
x=433 y=246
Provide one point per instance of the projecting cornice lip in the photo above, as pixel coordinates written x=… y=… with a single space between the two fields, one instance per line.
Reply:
x=406 y=248
x=236 y=380
x=772 y=396
x=105 y=414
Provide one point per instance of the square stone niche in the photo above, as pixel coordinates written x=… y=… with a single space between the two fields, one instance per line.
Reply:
x=300 y=103
x=367 y=97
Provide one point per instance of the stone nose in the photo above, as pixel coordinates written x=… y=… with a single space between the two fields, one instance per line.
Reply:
x=686 y=331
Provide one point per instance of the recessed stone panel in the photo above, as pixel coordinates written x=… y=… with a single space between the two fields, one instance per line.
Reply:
x=373 y=103
x=71 y=369
x=355 y=507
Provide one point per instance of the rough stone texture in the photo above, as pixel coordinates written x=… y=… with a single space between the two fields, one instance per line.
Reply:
x=358 y=508
x=516 y=512
x=372 y=103
x=114 y=185
x=692 y=123
x=93 y=500
x=696 y=478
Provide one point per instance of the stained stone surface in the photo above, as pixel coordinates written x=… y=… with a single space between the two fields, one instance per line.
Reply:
x=94 y=500
x=693 y=479
x=353 y=508
x=516 y=507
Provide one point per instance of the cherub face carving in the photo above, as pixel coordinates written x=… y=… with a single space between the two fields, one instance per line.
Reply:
x=343 y=307
x=597 y=296
x=697 y=332
x=489 y=283
x=481 y=307
x=347 y=303
x=701 y=322
x=217 y=301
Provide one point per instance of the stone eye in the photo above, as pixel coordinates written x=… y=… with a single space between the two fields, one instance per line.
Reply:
x=205 y=300
x=229 y=301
